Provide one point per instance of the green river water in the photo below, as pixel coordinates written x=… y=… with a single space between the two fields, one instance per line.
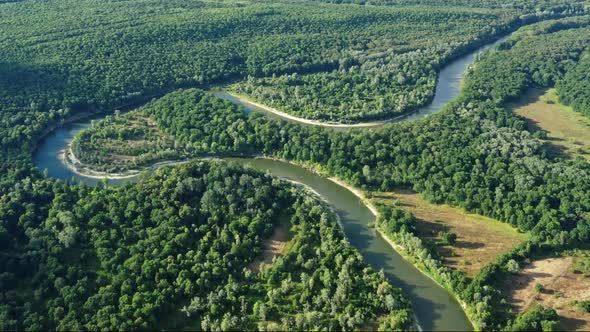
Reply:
x=433 y=306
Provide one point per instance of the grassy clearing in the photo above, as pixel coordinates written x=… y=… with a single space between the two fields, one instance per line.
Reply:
x=568 y=132
x=480 y=240
x=553 y=282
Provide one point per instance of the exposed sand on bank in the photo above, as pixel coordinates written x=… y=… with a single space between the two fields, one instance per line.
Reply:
x=76 y=166
x=288 y=116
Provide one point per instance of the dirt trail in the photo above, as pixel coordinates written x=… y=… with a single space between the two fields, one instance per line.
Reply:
x=272 y=247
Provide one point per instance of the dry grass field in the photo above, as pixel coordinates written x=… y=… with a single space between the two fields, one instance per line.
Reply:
x=568 y=130
x=561 y=287
x=480 y=240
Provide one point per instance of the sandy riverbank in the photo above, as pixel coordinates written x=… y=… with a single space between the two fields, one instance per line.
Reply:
x=76 y=166
x=284 y=115
x=73 y=164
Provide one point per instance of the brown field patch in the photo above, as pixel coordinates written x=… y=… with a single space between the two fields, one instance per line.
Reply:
x=273 y=247
x=561 y=288
x=480 y=240
x=568 y=130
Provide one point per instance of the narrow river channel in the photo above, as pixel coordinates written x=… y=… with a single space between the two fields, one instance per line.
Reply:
x=448 y=86
x=434 y=307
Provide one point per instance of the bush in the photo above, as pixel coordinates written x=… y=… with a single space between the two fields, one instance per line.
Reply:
x=583 y=306
x=538 y=318
x=512 y=266
x=447 y=238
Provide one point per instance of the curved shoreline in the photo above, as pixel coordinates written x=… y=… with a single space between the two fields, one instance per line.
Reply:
x=86 y=171
x=395 y=246
x=451 y=72
x=399 y=248
x=245 y=100
x=76 y=166
x=71 y=162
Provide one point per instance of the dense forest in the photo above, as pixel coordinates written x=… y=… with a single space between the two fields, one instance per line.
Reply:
x=121 y=142
x=426 y=155
x=87 y=56
x=543 y=5
x=363 y=87
x=540 y=55
x=366 y=85
x=92 y=55
x=574 y=88
x=138 y=256
x=476 y=154
x=179 y=243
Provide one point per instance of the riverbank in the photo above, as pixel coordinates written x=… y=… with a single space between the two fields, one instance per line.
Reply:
x=401 y=250
x=72 y=163
x=76 y=166
x=249 y=102
x=431 y=300
x=397 y=247
x=97 y=111
x=343 y=221
x=421 y=267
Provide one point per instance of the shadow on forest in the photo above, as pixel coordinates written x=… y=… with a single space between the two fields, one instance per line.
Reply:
x=469 y=245
x=27 y=82
x=549 y=144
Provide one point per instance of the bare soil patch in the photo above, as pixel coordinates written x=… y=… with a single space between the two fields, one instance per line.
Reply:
x=273 y=247
x=480 y=240
x=562 y=288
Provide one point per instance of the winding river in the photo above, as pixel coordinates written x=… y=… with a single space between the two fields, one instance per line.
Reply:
x=434 y=307
x=448 y=86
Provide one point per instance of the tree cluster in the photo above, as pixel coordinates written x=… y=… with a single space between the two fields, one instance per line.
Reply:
x=173 y=252
x=574 y=88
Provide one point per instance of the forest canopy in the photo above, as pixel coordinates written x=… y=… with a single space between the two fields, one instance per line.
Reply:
x=476 y=154
x=173 y=252
x=178 y=243
x=86 y=55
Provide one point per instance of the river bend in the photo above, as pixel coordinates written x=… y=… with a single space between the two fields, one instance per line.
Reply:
x=434 y=307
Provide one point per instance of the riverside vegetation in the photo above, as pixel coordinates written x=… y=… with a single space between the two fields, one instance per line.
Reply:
x=177 y=245
x=76 y=257
x=476 y=155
